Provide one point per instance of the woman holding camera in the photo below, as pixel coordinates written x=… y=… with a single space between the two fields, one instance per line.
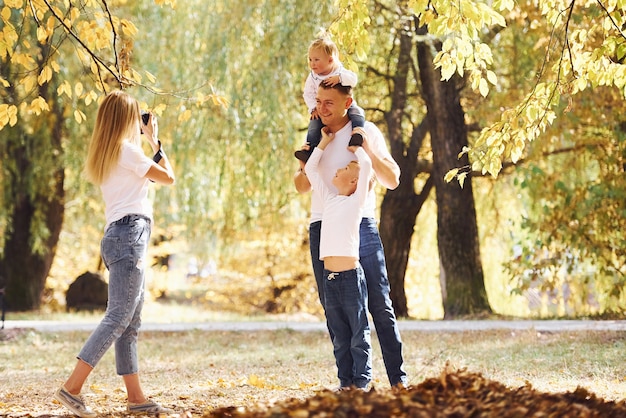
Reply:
x=117 y=163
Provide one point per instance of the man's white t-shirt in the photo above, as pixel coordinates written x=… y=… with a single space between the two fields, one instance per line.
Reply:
x=125 y=191
x=336 y=156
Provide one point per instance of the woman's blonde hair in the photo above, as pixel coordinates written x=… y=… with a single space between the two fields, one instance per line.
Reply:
x=117 y=120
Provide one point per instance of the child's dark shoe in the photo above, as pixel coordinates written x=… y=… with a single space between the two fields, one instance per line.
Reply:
x=356 y=139
x=303 y=155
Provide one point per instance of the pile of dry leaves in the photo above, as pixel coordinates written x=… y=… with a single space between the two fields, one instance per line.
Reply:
x=453 y=394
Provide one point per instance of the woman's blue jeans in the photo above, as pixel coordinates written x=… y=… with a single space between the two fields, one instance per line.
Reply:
x=372 y=259
x=123 y=250
x=346 y=314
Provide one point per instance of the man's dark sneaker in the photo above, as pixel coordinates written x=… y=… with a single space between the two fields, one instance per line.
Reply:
x=351 y=388
x=356 y=139
x=74 y=403
x=303 y=155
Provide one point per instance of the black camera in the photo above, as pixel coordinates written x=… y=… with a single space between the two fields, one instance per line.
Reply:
x=145 y=117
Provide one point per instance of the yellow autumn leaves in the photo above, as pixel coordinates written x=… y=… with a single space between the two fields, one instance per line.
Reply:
x=99 y=38
x=583 y=64
x=8 y=115
x=94 y=33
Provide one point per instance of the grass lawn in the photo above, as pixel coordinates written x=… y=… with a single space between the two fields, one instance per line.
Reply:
x=197 y=371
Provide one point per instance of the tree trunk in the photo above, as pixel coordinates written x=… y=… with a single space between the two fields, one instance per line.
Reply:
x=461 y=274
x=399 y=210
x=400 y=207
x=25 y=272
x=34 y=184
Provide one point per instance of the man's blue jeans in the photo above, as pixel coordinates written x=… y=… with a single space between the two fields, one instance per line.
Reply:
x=123 y=249
x=372 y=258
x=346 y=314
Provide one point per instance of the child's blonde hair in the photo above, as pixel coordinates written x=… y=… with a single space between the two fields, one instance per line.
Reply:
x=326 y=45
x=117 y=120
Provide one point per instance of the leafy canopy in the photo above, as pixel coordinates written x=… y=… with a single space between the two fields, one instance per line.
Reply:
x=586 y=50
x=102 y=44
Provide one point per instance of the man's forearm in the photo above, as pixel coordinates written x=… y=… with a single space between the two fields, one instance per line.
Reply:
x=387 y=172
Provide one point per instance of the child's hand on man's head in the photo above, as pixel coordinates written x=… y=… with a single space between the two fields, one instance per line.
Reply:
x=331 y=81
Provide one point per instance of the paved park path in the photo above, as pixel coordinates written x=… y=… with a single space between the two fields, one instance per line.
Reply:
x=405 y=325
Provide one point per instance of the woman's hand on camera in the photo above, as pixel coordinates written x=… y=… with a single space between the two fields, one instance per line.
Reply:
x=151 y=130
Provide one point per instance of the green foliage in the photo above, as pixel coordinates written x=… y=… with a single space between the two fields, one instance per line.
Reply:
x=350 y=29
x=573 y=231
x=272 y=274
x=573 y=127
x=571 y=175
x=233 y=163
x=584 y=47
x=225 y=80
x=46 y=48
x=44 y=26
x=30 y=154
x=460 y=26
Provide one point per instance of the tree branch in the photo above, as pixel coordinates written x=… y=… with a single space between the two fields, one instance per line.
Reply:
x=108 y=12
x=567 y=44
x=612 y=20
x=93 y=55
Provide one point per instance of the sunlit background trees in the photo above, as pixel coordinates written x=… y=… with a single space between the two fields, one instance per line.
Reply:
x=529 y=220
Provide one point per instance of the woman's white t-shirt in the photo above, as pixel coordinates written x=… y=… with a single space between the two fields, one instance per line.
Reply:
x=125 y=191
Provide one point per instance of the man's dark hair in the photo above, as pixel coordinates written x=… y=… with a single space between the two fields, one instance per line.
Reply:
x=347 y=90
